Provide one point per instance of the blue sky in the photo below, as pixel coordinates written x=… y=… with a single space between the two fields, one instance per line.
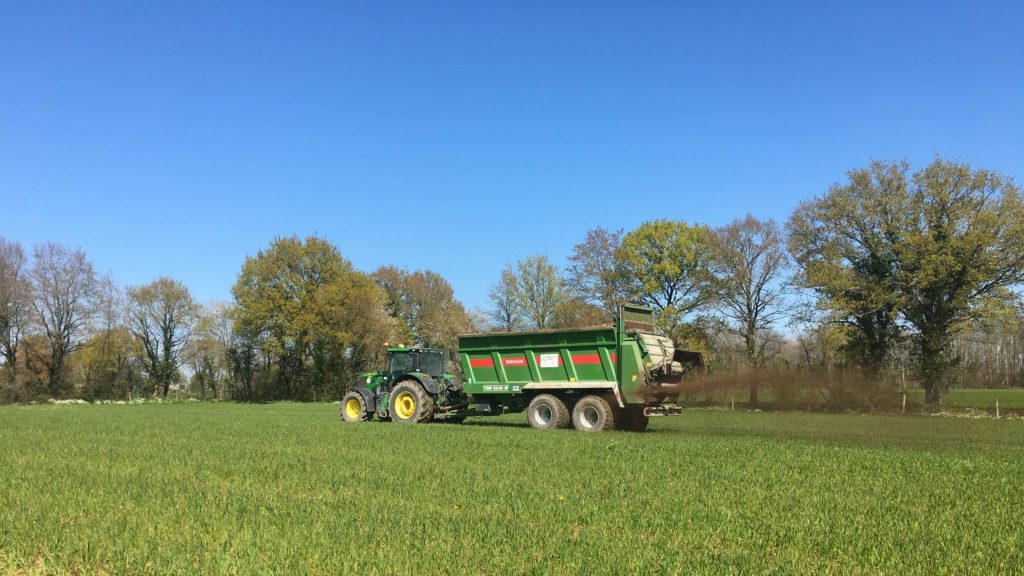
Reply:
x=176 y=139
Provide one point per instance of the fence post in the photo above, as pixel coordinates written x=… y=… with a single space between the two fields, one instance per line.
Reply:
x=904 y=402
x=997 y=407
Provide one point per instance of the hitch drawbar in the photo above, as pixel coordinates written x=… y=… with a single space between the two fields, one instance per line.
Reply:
x=663 y=411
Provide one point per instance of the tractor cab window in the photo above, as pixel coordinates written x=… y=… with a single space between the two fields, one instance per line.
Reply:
x=432 y=362
x=402 y=362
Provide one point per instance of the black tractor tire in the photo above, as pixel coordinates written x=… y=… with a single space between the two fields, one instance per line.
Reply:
x=409 y=402
x=353 y=408
x=547 y=412
x=633 y=420
x=593 y=414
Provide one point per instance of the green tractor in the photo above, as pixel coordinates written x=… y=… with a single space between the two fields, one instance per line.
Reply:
x=407 y=391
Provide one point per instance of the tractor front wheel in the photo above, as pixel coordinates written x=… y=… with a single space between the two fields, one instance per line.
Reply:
x=353 y=408
x=409 y=402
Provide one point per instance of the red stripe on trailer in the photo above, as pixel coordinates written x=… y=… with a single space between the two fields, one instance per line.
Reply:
x=586 y=359
x=515 y=361
x=613 y=358
x=481 y=363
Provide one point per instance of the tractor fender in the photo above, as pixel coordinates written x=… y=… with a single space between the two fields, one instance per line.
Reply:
x=368 y=397
x=428 y=383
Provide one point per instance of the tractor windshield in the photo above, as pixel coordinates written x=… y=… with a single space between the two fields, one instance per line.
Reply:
x=402 y=362
x=432 y=362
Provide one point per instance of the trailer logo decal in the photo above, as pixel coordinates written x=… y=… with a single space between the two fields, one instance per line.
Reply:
x=495 y=388
x=550 y=360
x=515 y=361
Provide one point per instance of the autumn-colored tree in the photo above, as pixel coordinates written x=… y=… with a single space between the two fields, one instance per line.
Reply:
x=575 y=313
x=424 y=304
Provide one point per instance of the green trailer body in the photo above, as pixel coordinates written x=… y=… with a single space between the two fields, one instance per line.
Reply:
x=614 y=359
x=598 y=378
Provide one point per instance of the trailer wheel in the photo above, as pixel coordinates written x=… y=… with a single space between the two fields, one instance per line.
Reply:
x=353 y=408
x=409 y=402
x=546 y=411
x=593 y=414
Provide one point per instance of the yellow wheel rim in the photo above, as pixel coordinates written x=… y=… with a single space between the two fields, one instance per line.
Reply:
x=352 y=409
x=405 y=405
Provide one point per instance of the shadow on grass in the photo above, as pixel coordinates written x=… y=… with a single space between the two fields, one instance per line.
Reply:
x=494 y=424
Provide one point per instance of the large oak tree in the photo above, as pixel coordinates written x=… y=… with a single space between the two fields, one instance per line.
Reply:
x=933 y=249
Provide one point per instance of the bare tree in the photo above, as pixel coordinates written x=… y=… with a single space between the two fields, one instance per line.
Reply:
x=14 y=304
x=64 y=297
x=537 y=290
x=748 y=263
x=595 y=274
x=162 y=315
x=208 y=351
x=504 y=314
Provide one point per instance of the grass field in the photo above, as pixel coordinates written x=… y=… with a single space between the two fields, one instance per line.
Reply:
x=1010 y=399
x=289 y=489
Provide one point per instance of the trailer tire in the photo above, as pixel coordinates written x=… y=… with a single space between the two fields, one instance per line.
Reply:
x=547 y=412
x=353 y=408
x=409 y=402
x=593 y=414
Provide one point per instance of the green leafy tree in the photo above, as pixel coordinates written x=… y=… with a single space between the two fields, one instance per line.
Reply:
x=962 y=251
x=536 y=290
x=844 y=247
x=665 y=266
x=313 y=318
x=505 y=314
x=934 y=249
x=162 y=315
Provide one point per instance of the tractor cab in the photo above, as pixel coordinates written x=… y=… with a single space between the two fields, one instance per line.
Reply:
x=427 y=361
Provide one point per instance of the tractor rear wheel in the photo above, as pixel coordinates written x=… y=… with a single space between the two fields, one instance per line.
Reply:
x=547 y=411
x=353 y=408
x=409 y=402
x=593 y=414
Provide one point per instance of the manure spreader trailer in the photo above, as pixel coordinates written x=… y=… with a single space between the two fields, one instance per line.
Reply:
x=600 y=378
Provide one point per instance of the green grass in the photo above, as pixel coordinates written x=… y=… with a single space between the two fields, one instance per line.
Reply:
x=981 y=398
x=289 y=489
x=959 y=398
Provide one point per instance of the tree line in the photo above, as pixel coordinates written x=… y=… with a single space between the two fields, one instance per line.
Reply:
x=903 y=278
